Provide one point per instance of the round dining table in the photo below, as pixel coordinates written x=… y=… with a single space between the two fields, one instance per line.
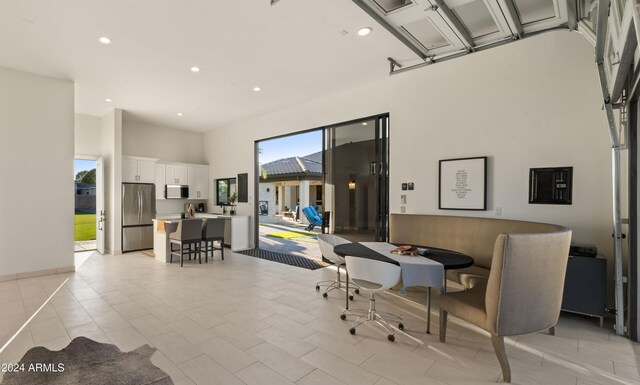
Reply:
x=449 y=259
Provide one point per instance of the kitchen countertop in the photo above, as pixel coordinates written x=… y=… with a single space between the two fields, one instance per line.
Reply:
x=174 y=217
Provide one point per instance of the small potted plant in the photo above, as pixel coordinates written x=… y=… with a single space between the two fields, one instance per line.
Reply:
x=232 y=202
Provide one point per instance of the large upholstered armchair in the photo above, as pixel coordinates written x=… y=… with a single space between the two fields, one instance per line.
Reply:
x=523 y=293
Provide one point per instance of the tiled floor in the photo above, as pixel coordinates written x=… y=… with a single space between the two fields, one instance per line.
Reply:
x=251 y=321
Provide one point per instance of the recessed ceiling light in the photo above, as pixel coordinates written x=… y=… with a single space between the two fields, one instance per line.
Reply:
x=195 y=69
x=108 y=100
x=179 y=114
x=257 y=89
x=364 y=123
x=364 y=31
x=104 y=40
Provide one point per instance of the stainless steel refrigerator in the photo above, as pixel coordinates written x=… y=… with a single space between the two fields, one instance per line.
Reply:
x=138 y=211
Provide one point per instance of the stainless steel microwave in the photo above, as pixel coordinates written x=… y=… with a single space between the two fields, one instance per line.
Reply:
x=176 y=191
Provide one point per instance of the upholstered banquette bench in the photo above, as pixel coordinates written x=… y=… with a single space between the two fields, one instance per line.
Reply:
x=473 y=236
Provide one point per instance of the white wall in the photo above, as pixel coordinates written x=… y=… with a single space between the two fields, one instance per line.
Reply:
x=532 y=103
x=169 y=145
x=36 y=167
x=112 y=160
x=164 y=143
x=88 y=135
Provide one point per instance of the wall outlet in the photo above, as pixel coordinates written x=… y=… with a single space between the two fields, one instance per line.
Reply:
x=403 y=199
x=498 y=210
x=403 y=209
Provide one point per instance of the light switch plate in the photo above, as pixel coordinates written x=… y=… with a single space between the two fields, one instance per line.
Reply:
x=403 y=199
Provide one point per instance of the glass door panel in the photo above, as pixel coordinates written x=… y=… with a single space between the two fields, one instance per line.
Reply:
x=355 y=160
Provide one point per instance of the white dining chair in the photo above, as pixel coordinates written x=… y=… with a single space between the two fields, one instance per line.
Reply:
x=375 y=277
x=327 y=242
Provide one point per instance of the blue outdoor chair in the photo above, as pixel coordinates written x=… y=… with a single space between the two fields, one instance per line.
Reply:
x=314 y=218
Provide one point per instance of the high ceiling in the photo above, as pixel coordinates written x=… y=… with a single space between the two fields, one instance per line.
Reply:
x=295 y=50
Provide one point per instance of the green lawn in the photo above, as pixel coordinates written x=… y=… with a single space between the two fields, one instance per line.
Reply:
x=85 y=227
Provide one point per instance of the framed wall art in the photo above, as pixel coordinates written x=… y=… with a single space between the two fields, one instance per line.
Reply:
x=463 y=184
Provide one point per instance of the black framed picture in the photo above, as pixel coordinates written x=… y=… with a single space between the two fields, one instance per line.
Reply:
x=462 y=184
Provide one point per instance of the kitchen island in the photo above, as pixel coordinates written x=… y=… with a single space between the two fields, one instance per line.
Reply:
x=236 y=233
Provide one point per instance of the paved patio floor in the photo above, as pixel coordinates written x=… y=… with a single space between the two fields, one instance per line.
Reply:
x=305 y=245
x=85 y=245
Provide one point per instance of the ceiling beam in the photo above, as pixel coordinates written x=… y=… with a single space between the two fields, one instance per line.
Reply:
x=450 y=18
x=421 y=52
x=626 y=50
x=601 y=28
x=511 y=15
x=572 y=14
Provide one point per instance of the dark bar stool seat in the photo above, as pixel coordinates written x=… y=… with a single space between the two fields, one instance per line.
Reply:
x=212 y=231
x=186 y=235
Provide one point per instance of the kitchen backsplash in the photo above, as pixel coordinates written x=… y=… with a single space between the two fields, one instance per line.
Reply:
x=169 y=206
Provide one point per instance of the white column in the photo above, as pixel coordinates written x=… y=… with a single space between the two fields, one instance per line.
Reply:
x=280 y=199
x=304 y=199
x=286 y=197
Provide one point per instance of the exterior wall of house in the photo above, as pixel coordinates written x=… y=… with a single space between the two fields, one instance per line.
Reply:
x=269 y=196
x=531 y=103
x=37 y=146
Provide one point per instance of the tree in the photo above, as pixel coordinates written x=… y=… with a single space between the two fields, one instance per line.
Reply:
x=80 y=175
x=86 y=176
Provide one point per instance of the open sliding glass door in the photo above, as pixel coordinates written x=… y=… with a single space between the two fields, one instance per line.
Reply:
x=355 y=179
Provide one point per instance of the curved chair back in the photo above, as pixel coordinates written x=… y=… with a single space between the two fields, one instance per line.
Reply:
x=327 y=242
x=384 y=274
x=213 y=228
x=188 y=230
x=524 y=291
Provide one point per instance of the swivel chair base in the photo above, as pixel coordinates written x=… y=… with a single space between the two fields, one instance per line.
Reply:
x=371 y=315
x=338 y=284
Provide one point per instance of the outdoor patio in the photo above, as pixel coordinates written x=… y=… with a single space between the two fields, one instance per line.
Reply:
x=290 y=238
x=84 y=245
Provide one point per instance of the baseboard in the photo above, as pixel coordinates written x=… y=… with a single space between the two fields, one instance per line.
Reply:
x=8 y=277
x=37 y=273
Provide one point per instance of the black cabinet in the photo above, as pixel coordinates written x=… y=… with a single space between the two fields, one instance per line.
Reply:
x=585 y=286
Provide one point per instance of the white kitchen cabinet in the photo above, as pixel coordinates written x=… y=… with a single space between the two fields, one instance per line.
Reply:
x=198 y=177
x=160 y=171
x=138 y=170
x=176 y=174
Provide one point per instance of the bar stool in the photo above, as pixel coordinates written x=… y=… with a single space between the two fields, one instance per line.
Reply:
x=212 y=231
x=187 y=234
